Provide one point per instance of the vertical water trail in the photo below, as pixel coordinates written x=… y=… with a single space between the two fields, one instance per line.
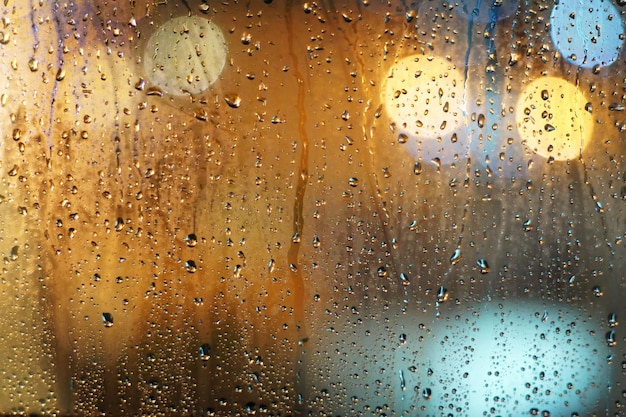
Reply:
x=297 y=282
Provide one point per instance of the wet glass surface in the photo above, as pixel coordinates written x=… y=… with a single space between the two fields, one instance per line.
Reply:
x=376 y=208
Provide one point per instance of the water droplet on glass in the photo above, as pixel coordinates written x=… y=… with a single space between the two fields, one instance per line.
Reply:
x=353 y=182
x=190 y=266
x=233 y=100
x=597 y=291
x=483 y=266
x=271 y=265
x=417 y=168
x=382 y=272
x=442 y=294
x=33 y=64
x=191 y=240
x=613 y=320
x=402 y=338
x=119 y=224
x=107 y=319
x=427 y=393
x=205 y=352
x=456 y=256
x=610 y=338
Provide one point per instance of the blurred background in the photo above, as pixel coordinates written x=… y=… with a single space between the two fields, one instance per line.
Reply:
x=374 y=208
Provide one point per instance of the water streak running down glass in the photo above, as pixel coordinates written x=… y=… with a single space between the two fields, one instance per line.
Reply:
x=364 y=208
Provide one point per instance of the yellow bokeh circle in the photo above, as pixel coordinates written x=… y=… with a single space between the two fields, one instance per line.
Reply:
x=552 y=119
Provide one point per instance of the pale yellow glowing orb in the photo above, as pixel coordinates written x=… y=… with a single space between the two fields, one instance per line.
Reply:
x=424 y=96
x=185 y=55
x=552 y=119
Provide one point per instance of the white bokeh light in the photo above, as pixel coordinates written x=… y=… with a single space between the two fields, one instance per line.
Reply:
x=185 y=55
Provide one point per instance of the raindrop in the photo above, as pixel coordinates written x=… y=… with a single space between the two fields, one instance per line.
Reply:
x=610 y=338
x=613 y=320
x=482 y=265
x=481 y=120
x=191 y=240
x=456 y=256
x=442 y=294
x=205 y=352
x=33 y=64
x=597 y=291
x=382 y=272
x=353 y=182
x=402 y=338
x=427 y=393
x=107 y=319
x=190 y=266
x=417 y=168
x=233 y=100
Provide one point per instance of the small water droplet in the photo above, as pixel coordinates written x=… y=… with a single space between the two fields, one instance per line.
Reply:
x=402 y=338
x=107 y=319
x=442 y=294
x=119 y=224
x=613 y=320
x=402 y=381
x=191 y=240
x=528 y=225
x=190 y=266
x=483 y=266
x=271 y=265
x=597 y=291
x=233 y=100
x=417 y=168
x=545 y=95
x=353 y=182
x=33 y=64
x=382 y=272
x=481 y=120
x=205 y=352
x=427 y=393
x=610 y=338
x=456 y=256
